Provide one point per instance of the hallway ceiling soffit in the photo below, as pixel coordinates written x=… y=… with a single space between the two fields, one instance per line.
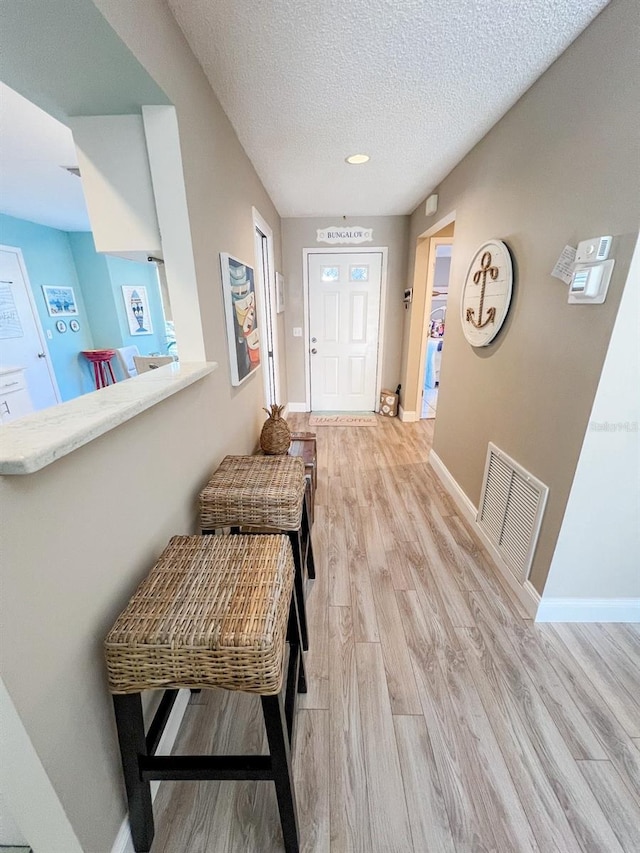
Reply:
x=414 y=83
x=65 y=57
x=35 y=152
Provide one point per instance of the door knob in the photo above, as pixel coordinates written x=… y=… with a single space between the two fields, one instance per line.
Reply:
x=314 y=351
x=42 y=355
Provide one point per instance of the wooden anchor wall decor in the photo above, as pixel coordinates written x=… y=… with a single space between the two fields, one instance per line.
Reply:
x=486 y=293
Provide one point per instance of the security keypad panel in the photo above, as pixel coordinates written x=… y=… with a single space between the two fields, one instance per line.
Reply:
x=590 y=282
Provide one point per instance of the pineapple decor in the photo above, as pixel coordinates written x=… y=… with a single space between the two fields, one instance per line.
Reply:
x=275 y=437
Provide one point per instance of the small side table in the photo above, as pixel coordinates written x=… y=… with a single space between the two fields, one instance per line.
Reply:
x=102 y=370
x=304 y=444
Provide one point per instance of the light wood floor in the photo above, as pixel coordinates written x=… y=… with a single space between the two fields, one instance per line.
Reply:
x=438 y=718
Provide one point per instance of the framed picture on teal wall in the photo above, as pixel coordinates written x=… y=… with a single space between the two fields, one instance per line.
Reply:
x=136 y=305
x=61 y=301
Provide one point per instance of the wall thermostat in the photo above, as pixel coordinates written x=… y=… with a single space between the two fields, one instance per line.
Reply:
x=593 y=250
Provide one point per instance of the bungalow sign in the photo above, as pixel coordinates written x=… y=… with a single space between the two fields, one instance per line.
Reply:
x=340 y=234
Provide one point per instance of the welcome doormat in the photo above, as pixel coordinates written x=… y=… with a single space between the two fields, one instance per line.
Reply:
x=359 y=420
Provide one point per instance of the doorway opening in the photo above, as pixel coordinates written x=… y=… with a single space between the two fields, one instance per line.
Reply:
x=59 y=296
x=424 y=352
x=435 y=321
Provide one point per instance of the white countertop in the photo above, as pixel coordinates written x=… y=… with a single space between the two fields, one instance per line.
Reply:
x=37 y=440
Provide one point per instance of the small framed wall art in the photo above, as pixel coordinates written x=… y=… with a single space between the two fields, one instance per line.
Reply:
x=61 y=326
x=136 y=305
x=60 y=301
x=239 y=298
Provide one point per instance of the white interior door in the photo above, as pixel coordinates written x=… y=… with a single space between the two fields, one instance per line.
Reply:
x=22 y=342
x=344 y=320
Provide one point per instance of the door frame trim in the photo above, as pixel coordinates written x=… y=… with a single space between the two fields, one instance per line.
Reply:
x=36 y=316
x=343 y=250
x=267 y=293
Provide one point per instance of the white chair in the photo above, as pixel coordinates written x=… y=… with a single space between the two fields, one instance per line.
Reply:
x=145 y=363
x=126 y=356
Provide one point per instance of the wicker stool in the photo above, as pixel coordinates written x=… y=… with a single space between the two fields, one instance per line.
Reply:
x=214 y=612
x=264 y=491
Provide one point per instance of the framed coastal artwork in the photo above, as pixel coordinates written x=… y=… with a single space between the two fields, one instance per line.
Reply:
x=136 y=306
x=61 y=301
x=243 y=337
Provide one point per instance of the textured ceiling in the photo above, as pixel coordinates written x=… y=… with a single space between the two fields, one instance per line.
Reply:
x=413 y=83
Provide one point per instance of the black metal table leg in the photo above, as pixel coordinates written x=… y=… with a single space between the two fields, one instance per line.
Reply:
x=132 y=740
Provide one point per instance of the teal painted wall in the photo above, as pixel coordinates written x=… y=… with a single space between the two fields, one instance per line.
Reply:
x=95 y=282
x=49 y=260
x=125 y=272
x=102 y=277
x=61 y=258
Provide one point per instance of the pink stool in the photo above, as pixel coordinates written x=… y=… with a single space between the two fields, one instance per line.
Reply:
x=102 y=370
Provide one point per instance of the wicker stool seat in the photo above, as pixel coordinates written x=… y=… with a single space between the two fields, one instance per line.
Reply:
x=257 y=491
x=212 y=613
x=215 y=611
x=263 y=492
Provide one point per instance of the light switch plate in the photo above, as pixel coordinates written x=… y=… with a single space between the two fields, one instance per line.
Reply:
x=297 y=331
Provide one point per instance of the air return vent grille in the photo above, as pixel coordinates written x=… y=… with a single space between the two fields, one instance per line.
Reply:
x=511 y=507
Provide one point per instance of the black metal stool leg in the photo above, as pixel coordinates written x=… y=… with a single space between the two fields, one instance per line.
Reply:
x=276 y=725
x=296 y=545
x=294 y=617
x=131 y=736
x=296 y=681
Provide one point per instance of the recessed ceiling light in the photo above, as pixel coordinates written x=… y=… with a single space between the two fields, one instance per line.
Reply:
x=358 y=159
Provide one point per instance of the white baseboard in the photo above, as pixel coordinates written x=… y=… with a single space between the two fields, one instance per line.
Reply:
x=461 y=500
x=123 y=842
x=527 y=594
x=407 y=417
x=298 y=407
x=534 y=596
x=589 y=610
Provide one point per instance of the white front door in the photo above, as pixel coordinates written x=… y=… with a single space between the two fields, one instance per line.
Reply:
x=21 y=340
x=344 y=319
